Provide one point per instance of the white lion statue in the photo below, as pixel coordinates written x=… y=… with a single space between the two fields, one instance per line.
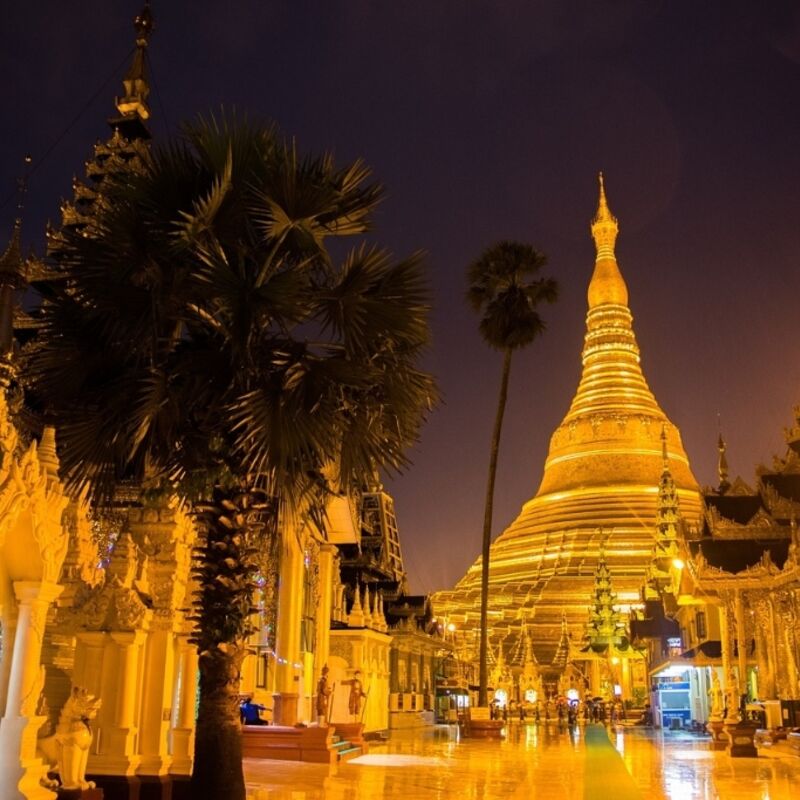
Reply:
x=73 y=738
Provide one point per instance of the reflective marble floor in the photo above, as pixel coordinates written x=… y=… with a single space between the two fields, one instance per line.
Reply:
x=540 y=763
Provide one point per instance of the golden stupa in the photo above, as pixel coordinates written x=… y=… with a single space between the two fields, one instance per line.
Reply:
x=598 y=493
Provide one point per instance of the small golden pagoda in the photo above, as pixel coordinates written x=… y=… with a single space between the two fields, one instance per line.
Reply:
x=599 y=490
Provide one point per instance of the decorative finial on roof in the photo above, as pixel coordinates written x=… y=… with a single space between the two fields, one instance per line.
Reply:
x=143 y=23
x=48 y=456
x=133 y=105
x=722 y=466
x=664 y=456
x=12 y=270
x=604 y=226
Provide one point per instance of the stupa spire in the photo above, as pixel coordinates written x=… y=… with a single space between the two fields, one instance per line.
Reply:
x=133 y=106
x=12 y=270
x=722 y=466
x=605 y=226
x=604 y=620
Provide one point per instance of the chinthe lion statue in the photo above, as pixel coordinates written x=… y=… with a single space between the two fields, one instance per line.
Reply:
x=69 y=747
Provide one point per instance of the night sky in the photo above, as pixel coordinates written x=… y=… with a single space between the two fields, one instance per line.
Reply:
x=490 y=120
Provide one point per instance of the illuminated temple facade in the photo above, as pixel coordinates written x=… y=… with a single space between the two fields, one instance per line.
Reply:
x=598 y=493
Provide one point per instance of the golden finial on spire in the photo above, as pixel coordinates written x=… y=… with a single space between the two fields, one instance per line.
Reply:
x=607 y=286
x=664 y=456
x=722 y=466
x=604 y=225
x=133 y=105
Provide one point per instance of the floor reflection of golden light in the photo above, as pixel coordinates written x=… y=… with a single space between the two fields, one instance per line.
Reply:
x=398 y=760
x=543 y=762
x=693 y=755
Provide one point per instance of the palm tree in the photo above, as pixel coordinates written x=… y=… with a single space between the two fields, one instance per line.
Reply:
x=205 y=343
x=504 y=288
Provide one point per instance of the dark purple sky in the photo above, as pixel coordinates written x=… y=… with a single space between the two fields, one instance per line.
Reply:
x=490 y=120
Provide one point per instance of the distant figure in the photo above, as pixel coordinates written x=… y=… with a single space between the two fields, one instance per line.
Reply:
x=324 y=691
x=356 y=693
x=572 y=715
x=250 y=712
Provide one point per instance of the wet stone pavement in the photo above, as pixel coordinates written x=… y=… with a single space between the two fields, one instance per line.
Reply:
x=533 y=762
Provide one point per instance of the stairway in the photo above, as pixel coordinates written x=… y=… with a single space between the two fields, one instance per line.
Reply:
x=344 y=749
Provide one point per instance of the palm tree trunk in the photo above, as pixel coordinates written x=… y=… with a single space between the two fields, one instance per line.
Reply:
x=483 y=698
x=222 y=614
x=217 y=773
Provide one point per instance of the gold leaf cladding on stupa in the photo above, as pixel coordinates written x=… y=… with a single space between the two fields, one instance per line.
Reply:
x=599 y=491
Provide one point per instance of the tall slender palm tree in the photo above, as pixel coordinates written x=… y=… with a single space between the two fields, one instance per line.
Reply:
x=506 y=290
x=204 y=342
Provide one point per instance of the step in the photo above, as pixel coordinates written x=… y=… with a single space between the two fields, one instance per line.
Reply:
x=351 y=752
x=341 y=744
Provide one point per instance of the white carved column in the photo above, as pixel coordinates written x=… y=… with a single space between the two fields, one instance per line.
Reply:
x=165 y=534
x=182 y=734
x=118 y=736
x=765 y=649
x=154 y=723
x=9 y=622
x=731 y=684
x=788 y=621
x=595 y=681
x=287 y=641
x=327 y=566
x=20 y=768
x=741 y=641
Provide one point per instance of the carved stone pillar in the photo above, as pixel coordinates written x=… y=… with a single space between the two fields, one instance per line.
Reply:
x=730 y=685
x=595 y=677
x=765 y=649
x=787 y=614
x=165 y=534
x=159 y=667
x=118 y=737
x=741 y=640
x=327 y=567
x=287 y=647
x=20 y=768
x=9 y=622
x=182 y=734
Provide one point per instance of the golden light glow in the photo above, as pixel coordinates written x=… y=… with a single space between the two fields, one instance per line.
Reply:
x=678 y=563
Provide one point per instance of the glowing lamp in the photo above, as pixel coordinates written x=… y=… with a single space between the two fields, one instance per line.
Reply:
x=678 y=563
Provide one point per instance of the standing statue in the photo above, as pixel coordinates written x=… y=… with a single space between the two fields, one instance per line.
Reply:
x=732 y=699
x=74 y=738
x=356 y=693
x=717 y=699
x=324 y=691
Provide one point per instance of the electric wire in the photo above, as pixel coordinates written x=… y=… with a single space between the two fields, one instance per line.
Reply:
x=161 y=107
x=54 y=144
